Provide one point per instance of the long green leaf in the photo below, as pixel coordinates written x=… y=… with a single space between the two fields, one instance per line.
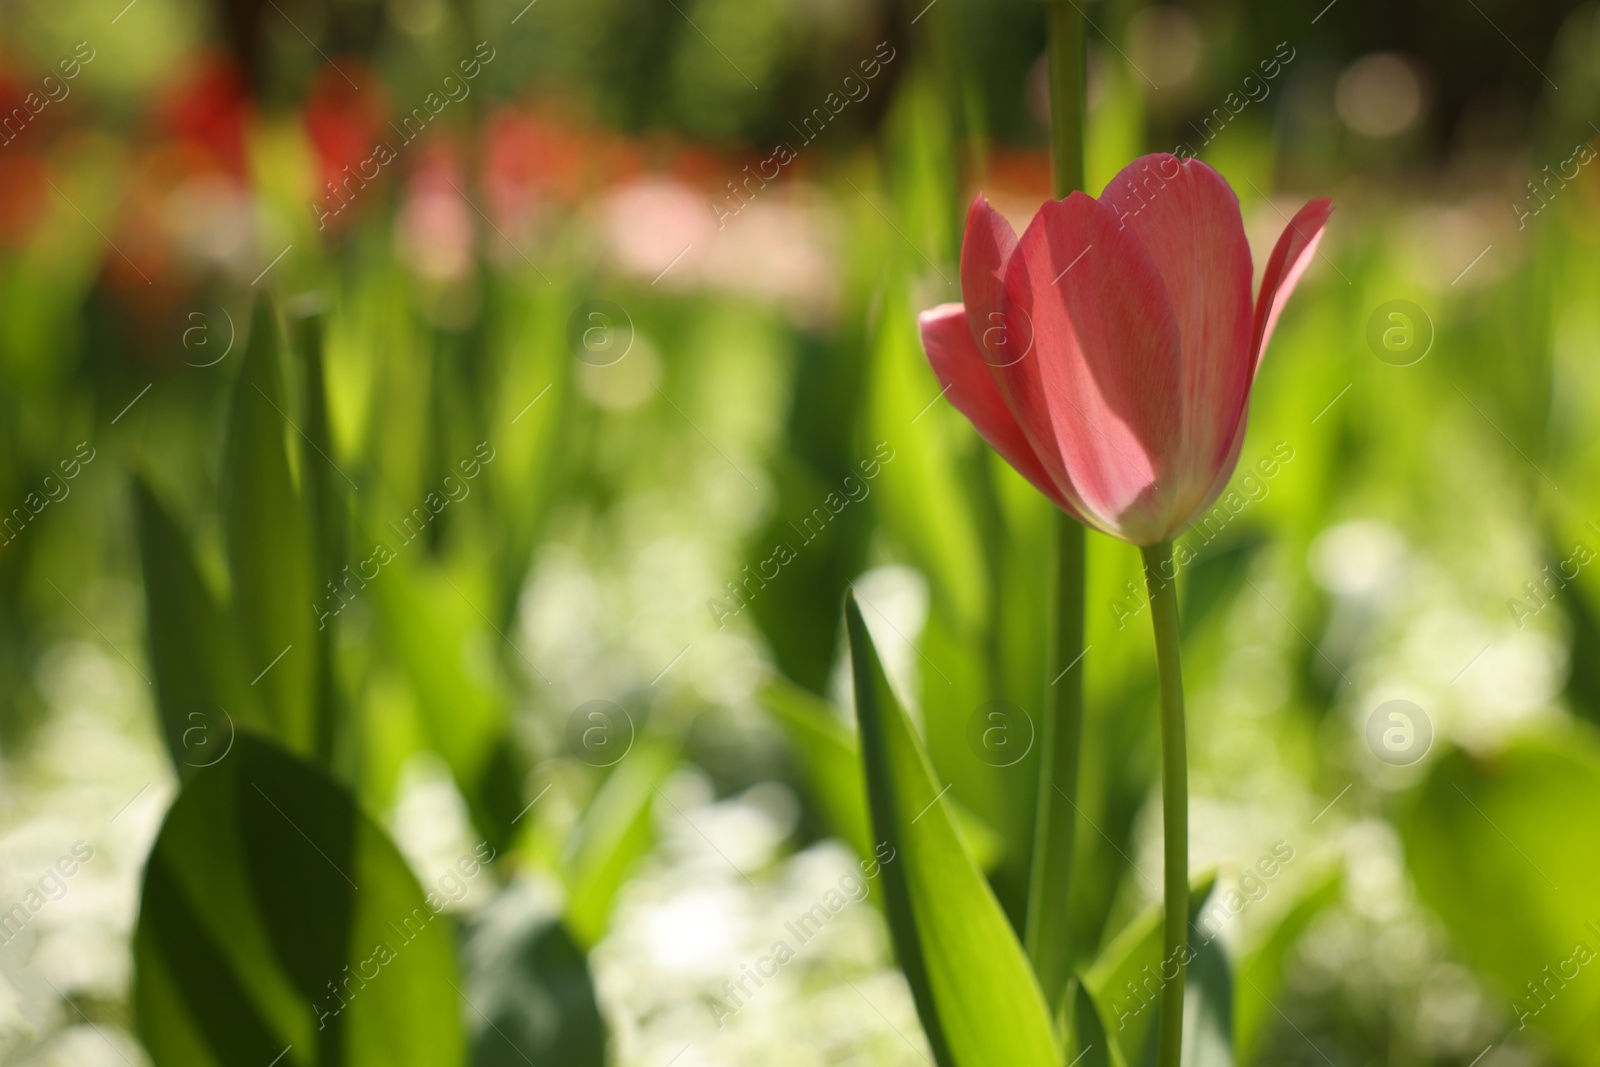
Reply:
x=614 y=832
x=193 y=650
x=1261 y=973
x=433 y=623
x=1083 y=1032
x=975 y=994
x=268 y=531
x=828 y=757
x=325 y=491
x=1125 y=980
x=278 y=924
x=828 y=754
x=1208 y=1008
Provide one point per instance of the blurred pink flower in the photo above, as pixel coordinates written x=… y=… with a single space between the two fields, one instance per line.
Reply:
x=434 y=230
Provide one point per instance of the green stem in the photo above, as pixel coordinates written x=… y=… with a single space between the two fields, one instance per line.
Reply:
x=1160 y=575
x=1067 y=60
x=1048 y=930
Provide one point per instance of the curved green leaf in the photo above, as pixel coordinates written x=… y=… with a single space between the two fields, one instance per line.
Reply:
x=1083 y=1032
x=827 y=755
x=199 y=690
x=615 y=831
x=530 y=994
x=832 y=766
x=975 y=994
x=1482 y=839
x=1125 y=979
x=277 y=920
x=1261 y=973
x=268 y=532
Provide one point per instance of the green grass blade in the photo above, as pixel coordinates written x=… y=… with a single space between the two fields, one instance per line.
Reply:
x=975 y=994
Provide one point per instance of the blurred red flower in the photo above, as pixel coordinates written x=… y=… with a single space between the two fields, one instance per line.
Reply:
x=208 y=108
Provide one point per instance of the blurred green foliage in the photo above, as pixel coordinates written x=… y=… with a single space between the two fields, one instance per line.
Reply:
x=242 y=503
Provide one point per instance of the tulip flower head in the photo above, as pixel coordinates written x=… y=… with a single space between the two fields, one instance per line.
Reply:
x=1108 y=353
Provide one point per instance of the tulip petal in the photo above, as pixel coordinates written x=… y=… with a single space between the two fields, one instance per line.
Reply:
x=1223 y=476
x=1290 y=258
x=1187 y=218
x=1098 y=394
x=986 y=249
x=971 y=387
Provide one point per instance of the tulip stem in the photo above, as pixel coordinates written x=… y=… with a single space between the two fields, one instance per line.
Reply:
x=1067 y=62
x=1160 y=578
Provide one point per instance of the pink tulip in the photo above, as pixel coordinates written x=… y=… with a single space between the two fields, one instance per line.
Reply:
x=1108 y=354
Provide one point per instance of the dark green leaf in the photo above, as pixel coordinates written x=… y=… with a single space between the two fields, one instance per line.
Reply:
x=530 y=995
x=1208 y=1008
x=1261 y=973
x=326 y=486
x=277 y=919
x=1083 y=1032
x=199 y=690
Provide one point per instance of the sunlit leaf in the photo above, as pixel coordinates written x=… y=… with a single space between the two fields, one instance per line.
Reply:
x=975 y=994
x=832 y=764
x=615 y=830
x=439 y=628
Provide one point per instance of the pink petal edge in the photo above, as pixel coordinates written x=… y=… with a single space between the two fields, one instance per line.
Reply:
x=1290 y=258
x=960 y=368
